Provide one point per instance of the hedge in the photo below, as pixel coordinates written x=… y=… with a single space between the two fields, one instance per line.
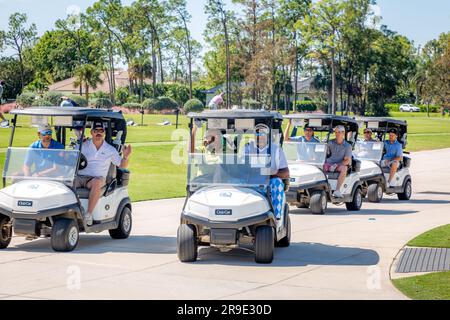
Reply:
x=161 y=103
x=82 y=102
x=193 y=105
x=132 y=105
x=102 y=103
x=251 y=104
x=42 y=103
x=395 y=107
x=53 y=97
x=26 y=99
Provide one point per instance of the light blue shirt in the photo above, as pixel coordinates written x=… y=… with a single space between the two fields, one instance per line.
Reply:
x=41 y=159
x=393 y=150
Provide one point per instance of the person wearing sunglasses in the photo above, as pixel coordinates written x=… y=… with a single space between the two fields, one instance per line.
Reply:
x=308 y=135
x=279 y=169
x=41 y=164
x=99 y=155
x=368 y=136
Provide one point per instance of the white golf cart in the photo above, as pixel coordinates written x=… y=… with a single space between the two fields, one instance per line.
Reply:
x=48 y=205
x=228 y=202
x=310 y=187
x=373 y=177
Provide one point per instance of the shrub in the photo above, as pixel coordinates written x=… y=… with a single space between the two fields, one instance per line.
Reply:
x=149 y=103
x=102 y=103
x=309 y=106
x=132 y=106
x=100 y=94
x=53 y=97
x=193 y=105
x=42 y=103
x=26 y=99
x=121 y=96
x=251 y=104
x=82 y=102
x=133 y=99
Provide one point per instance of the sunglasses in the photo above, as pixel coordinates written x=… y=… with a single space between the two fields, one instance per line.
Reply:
x=99 y=130
x=308 y=130
x=261 y=134
x=365 y=132
x=47 y=133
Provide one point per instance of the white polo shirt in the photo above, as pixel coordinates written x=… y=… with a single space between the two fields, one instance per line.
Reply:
x=99 y=160
x=278 y=158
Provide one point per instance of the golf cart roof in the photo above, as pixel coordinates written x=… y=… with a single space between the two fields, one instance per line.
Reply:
x=69 y=111
x=328 y=120
x=236 y=114
x=384 y=122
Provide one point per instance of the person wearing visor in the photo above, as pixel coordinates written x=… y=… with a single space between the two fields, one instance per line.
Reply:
x=279 y=169
x=308 y=135
x=393 y=155
x=99 y=155
x=43 y=162
x=339 y=158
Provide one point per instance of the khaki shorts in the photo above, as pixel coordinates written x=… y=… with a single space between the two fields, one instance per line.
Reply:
x=81 y=182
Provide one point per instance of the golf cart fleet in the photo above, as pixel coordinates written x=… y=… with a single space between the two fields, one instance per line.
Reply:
x=373 y=177
x=49 y=206
x=311 y=187
x=228 y=196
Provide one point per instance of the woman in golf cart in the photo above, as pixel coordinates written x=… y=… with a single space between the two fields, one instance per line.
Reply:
x=279 y=170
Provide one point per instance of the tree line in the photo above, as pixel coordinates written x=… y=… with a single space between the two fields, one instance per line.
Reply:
x=258 y=50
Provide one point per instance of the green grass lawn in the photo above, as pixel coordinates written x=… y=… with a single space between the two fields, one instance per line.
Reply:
x=436 y=238
x=433 y=286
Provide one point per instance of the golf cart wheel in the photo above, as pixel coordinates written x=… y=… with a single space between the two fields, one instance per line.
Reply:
x=286 y=241
x=187 y=243
x=375 y=192
x=5 y=232
x=264 y=244
x=124 y=229
x=318 y=202
x=65 y=235
x=356 y=203
x=407 y=192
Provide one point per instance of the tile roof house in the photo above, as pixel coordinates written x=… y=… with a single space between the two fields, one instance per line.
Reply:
x=67 y=86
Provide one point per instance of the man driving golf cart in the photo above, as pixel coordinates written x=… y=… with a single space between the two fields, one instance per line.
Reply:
x=39 y=164
x=99 y=155
x=339 y=158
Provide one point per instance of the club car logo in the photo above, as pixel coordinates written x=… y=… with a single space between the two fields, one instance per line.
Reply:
x=224 y=212
x=225 y=194
x=25 y=203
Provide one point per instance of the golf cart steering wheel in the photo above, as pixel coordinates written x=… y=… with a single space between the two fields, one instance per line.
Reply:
x=83 y=162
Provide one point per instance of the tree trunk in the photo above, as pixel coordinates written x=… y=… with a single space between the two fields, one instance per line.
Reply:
x=296 y=73
x=333 y=83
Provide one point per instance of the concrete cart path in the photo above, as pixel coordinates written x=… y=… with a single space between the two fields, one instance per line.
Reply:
x=341 y=255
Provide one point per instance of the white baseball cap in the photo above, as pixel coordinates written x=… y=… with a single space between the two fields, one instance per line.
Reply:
x=44 y=127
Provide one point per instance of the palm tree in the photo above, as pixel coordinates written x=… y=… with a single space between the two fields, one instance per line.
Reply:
x=89 y=76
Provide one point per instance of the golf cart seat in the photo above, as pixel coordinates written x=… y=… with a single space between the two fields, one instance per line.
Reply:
x=355 y=167
x=111 y=183
x=405 y=163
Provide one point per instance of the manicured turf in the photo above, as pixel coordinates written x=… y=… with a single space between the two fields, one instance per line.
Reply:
x=433 y=286
x=436 y=238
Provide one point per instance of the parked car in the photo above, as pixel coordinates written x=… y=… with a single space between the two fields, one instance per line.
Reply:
x=409 y=108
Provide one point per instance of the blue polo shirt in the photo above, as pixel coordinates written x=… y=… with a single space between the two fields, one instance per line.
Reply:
x=41 y=159
x=393 y=150
x=303 y=139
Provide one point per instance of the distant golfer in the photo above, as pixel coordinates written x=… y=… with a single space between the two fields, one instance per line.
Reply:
x=216 y=102
x=67 y=102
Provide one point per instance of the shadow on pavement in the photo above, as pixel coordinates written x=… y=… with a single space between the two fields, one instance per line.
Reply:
x=417 y=201
x=435 y=192
x=336 y=211
x=296 y=255
x=95 y=244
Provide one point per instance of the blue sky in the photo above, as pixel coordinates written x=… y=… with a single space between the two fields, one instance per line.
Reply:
x=419 y=20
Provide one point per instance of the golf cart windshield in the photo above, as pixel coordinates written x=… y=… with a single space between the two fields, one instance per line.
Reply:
x=372 y=151
x=43 y=164
x=306 y=152
x=251 y=170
